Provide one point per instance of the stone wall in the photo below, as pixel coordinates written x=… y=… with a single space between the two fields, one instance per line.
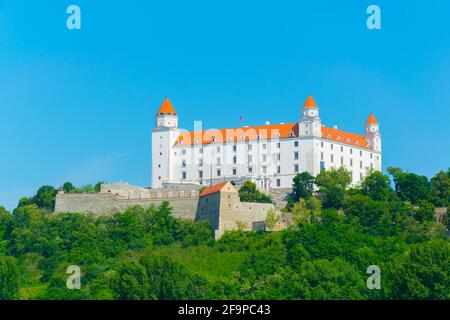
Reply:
x=105 y=203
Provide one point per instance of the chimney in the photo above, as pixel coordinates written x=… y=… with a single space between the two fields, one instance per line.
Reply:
x=267 y=123
x=335 y=127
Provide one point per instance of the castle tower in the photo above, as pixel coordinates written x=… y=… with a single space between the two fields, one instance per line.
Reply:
x=372 y=133
x=164 y=136
x=310 y=122
x=166 y=115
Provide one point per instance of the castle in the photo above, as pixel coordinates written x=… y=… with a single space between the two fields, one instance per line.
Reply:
x=199 y=172
x=269 y=155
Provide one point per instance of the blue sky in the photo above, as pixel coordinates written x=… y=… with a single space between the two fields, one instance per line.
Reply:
x=79 y=105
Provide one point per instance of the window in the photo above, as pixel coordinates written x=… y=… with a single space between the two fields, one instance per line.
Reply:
x=278 y=182
x=218 y=161
x=295 y=155
x=361 y=176
x=159 y=178
x=296 y=168
x=351 y=151
x=371 y=156
x=200 y=162
x=360 y=153
x=183 y=175
x=351 y=162
x=234 y=160
x=250 y=170
x=321 y=156
x=249 y=159
x=295 y=143
x=200 y=174
x=342 y=149
x=278 y=169
x=200 y=150
x=342 y=160
x=378 y=157
x=264 y=158
x=234 y=171
x=338 y=138
x=371 y=166
x=218 y=172
x=331 y=146
x=321 y=144
x=360 y=164
x=278 y=145
x=234 y=148
x=218 y=149
x=264 y=146
x=322 y=165
x=278 y=156
x=160 y=153
x=332 y=158
x=264 y=170
x=183 y=163
x=249 y=147
x=159 y=166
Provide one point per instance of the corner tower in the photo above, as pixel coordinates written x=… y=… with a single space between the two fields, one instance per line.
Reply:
x=372 y=133
x=164 y=135
x=310 y=122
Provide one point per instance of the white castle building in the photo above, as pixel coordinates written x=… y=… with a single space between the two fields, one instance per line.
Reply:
x=270 y=155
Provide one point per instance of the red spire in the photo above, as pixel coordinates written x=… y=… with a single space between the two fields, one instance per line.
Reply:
x=371 y=119
x=310 y=103
x=166 y=108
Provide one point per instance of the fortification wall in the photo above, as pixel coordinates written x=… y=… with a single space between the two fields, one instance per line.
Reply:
x=105 y=203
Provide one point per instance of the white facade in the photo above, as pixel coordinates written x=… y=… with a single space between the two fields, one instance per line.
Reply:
x=269 y=155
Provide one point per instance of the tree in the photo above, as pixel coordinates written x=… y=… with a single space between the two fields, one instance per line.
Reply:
x=9 y=278
x=68 y=187
x=303 y=186
x=271 y=219
x=5 y=224
x=409 y=186
x=422 y=273
x=161 y=224
x=368 y=212
x=332 y=186
x=376 y=186
x=45 y=198
x=425 y=211
x=249 y=193
x=440 y=189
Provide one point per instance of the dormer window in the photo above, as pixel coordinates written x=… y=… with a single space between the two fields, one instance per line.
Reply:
x=241 y=137
x=230 y=138
x=357 y=143
x=258 y=136
x=328 y=136
x=291 y=133
x=196 y=141
x=213 y=139
x=347 y=140
x=338 y=138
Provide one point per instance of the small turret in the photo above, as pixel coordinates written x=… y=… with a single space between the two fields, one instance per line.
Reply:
x=310 y=122
x=166 y=115
x=372 y=133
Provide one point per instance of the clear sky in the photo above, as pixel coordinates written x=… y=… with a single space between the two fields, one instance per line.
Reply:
x=79 y=105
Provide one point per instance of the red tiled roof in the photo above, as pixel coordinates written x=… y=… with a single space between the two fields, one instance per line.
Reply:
x=310 y=103
x=213 y=189
x=166 y=108
x=371 y=119
x=344 y=137
x=267 y=132
x=275 y=131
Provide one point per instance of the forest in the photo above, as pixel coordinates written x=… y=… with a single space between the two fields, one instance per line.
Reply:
x=336 y=233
